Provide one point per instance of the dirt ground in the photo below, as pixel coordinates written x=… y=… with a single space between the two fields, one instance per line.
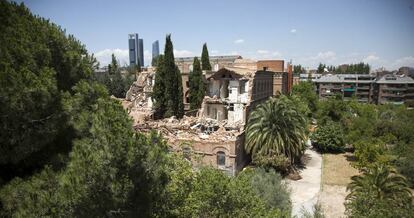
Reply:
x=336 y=175
x=304 y=192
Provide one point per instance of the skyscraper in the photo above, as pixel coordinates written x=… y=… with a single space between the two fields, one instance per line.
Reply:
x=136 y=48
x=155 y=49
x=141 y=52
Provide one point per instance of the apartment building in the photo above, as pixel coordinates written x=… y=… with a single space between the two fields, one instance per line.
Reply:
x=346 y=85
x=396 y=89
x=303 y=77
x=369 y=88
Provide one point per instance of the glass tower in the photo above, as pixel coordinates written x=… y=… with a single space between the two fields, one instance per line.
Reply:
x=136 y=50
x=155 y=49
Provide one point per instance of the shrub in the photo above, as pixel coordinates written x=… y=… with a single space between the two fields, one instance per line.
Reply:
x=329 y=138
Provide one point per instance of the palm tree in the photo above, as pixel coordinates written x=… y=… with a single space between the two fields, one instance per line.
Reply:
x=381 y=181
x=276 y=127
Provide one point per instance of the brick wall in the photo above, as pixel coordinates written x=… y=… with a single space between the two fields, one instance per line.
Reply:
x=271 y=65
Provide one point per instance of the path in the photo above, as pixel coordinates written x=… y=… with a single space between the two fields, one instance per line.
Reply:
x=305 y=191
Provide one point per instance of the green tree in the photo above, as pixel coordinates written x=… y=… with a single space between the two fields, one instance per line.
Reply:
x=116 y=83
x=306 y=92
x=334 y=109
x=205 y=58
x=158 y=94
x=321 y=68
x=370 y=153
x=113 y=66
x=154 y=61
x=276 y=127
x=112 y=171
x=35 y=68
x=379 y=192
x=197 y=87
x=215 y=194
x=329 y=137
x=298 y=69
x=173 y=83
x=270 y=187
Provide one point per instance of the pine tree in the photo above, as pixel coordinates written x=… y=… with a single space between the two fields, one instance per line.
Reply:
x=205 y=60
x=168 y=92
x=197 y=88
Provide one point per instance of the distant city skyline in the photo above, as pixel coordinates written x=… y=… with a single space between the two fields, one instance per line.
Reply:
x=307 y=32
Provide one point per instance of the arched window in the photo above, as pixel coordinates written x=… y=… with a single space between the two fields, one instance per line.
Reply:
x=221 y=158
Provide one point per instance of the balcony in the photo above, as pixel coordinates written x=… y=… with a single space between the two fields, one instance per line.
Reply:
x=385 y=94
x=363 y=87
x=393 y=88
x=362 y=93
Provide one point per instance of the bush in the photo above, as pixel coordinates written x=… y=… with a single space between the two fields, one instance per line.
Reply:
x=329 y=138
x=370 y=153
x=280 y=163
x=269 y=186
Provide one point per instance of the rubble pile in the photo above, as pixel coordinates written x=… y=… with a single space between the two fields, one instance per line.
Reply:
x=189 y=128
x=138 y=102
x=139 y=91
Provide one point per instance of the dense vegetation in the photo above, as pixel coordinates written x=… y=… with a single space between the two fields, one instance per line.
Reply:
x=36 y=72
x=329 y=138
x=117 y=83
x=379 y=192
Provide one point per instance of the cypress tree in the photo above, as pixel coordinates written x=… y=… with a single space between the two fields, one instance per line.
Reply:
x=197 y=87
x=113 y=66
x=205 y=60
x=158 y=93
x=173 y=88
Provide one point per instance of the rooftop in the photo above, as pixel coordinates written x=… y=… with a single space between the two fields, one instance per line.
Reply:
x=395 y=79
x=343 y=78
x=212 y=58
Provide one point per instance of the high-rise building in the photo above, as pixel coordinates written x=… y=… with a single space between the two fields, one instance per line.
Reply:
x=136 y=48
x=155 y=49
x=141 y=52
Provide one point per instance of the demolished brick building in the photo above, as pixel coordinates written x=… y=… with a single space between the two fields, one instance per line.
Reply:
x=216 y=134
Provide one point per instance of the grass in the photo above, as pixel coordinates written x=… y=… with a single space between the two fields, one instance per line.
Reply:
x=337 y=169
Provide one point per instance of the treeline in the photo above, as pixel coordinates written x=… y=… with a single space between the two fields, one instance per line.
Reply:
x=68 y=150
x=359 y=68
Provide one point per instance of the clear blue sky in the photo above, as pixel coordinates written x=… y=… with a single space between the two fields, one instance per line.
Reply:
x=307 y=32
